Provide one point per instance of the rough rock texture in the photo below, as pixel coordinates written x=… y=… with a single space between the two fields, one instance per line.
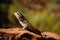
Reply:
x=19 y=34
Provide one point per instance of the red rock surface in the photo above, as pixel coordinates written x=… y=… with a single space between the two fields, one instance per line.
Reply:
x=18 y=32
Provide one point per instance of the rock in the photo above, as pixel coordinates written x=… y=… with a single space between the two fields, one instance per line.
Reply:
x=19 y=34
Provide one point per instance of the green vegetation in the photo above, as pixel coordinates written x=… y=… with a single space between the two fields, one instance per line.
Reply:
x=46 y=20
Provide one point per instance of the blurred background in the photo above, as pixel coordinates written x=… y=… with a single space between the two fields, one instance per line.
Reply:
x=43 y=14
